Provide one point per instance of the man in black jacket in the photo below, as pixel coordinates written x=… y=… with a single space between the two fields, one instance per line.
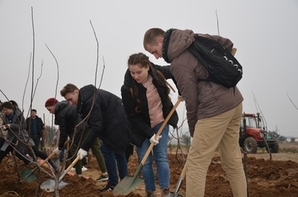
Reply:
x=107 y=120
x=35 y=127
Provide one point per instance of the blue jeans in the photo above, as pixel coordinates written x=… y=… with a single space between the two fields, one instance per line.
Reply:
x=159 y=154
x=112 y=160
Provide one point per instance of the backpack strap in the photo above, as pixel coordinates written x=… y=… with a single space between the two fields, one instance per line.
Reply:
x=168 y=84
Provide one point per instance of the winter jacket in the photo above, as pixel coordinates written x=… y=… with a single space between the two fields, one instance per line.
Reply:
x=67 y=117
x=17 y=128
x=39 y=126
x=140 y=121
x=107 y=119
x=203 y=99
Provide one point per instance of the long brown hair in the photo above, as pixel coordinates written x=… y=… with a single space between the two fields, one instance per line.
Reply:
x=143 y=61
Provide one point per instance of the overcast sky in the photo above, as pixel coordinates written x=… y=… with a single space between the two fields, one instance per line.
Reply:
x=264 y=32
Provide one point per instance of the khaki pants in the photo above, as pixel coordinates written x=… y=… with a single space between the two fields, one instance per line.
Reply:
x=220 y=131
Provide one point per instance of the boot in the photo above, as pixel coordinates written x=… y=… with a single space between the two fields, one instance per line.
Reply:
x=150 y=193
x=166 y=192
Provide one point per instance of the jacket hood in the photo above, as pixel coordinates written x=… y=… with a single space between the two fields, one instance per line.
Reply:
x=86 y=93
x=60 y=106
x=176 y=42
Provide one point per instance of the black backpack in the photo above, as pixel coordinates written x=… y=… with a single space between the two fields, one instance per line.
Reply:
x=222 y=66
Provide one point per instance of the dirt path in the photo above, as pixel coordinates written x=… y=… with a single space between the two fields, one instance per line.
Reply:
x=274 y=178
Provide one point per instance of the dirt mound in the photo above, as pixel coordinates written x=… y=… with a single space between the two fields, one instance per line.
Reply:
x=265 y=178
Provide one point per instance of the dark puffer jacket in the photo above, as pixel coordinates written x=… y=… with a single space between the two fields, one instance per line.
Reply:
x=140 y=122
x=107 y=119
x=67 y=117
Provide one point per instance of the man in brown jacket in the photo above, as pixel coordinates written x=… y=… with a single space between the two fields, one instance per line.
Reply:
x=213 y=111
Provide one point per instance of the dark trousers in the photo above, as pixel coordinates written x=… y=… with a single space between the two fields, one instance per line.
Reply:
x=36 y=140
x=113 y=162
x=10 y=148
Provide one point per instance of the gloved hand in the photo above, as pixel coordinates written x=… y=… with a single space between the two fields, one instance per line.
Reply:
x=82 y=153
x=181 y=98
x=153 y=140
x=57 y=151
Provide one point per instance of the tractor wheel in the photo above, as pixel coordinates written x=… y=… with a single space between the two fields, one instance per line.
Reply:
x=274 y=147
x=250 y=145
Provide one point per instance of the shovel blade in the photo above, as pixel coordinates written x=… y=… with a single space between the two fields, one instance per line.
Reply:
x=49 y=185
x=172 y=194
x=28 y=175
x=127 y=185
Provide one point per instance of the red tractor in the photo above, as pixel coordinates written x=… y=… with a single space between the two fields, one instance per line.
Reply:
x=254 y=135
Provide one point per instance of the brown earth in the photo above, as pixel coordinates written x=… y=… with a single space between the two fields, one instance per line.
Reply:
x=274 y=178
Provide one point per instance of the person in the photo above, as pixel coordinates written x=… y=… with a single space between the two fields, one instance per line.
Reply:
x=146 y=101
x=107 y=120
x=17 y=136
x=67 y=118
x=2 y=132
x=213 y=111
x=35 y=128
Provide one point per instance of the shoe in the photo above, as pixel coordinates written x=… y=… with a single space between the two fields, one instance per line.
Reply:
x=150 y=193
x=103 y=177
x=106 y=188
x=166 y=192
x=72 y=169
x=84 y=168
x=79 y=175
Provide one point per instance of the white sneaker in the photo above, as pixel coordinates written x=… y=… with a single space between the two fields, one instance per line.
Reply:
x=72 y=169
x=84 y=168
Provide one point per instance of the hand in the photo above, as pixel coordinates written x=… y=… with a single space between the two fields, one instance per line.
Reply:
x=153 y=140
x=181 y=98
x=57 y=151
x=4 y=127
x=82 y=153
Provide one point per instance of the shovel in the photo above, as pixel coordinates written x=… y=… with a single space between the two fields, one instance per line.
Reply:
x=29 y=175
x=129 y=183
x=49 y=185
x=180 y=180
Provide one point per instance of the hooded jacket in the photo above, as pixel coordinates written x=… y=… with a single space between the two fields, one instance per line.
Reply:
x=17 y=130
x=107 y=119
x=203 y=99
x=140 y=121
x=67 y=117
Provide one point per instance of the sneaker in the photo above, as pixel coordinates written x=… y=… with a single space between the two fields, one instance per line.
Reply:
x=84 y=168
x=72 y=169
x=106 y=188
x=103 y=177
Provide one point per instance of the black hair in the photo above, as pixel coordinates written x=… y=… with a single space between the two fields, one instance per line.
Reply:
x=7 y=105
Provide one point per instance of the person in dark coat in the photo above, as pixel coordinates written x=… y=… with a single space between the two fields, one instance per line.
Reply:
x=67 y=118
x=107 y=120
x=17 y=137
x=35 y=126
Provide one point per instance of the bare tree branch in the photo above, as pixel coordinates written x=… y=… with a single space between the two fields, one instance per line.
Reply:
x=28 y=76
x=57 y=64
x=97 y=53
x=292 y=101
x=217 y=22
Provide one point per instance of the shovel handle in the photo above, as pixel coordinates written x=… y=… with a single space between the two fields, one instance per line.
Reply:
x=161 y=129
x=69 y=167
